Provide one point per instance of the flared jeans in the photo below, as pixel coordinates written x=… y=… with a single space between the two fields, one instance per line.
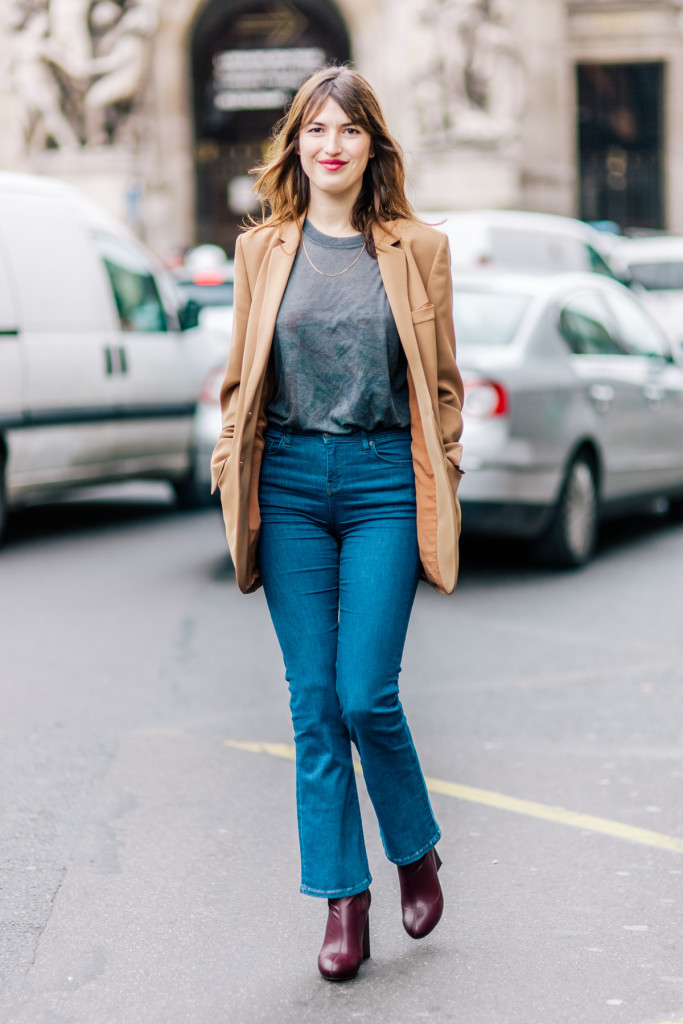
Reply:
x=339 y=561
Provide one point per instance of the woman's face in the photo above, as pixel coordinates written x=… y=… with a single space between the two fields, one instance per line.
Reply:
x=334 y=152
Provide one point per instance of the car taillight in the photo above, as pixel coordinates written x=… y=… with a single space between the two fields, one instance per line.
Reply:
x=484 y=399
x=208 y=277
x=211 y=388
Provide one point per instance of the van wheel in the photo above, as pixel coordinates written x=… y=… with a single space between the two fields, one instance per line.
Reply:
x=570 y=541
x=193 y=490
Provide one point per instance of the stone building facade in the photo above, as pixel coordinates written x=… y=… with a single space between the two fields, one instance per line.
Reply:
x=158 y=110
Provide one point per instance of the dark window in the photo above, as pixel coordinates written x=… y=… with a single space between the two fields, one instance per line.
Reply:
x=135 y=289
x=588 y=327
x=620 y=140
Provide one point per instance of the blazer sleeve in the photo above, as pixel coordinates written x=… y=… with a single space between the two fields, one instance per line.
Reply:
x=450 y=387
x=233 y=375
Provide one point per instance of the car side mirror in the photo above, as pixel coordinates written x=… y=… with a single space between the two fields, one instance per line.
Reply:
x=188 y=315
x=677 y=352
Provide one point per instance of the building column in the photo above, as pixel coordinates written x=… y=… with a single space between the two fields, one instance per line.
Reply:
x=548 y=128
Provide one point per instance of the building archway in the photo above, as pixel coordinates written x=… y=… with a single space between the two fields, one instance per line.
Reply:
x=248 y=59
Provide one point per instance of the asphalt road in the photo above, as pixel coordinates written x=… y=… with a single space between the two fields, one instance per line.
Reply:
x=150 y=868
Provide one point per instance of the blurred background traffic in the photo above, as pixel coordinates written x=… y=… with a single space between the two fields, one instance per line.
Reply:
x=544 y=137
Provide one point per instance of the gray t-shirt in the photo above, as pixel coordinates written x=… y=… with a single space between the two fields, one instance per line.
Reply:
x=338 y=359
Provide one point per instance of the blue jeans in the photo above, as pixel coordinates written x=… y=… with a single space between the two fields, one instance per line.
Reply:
x=339 y=561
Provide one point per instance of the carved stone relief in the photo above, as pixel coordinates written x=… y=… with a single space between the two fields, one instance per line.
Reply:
x=79 y=69
x=469 y=88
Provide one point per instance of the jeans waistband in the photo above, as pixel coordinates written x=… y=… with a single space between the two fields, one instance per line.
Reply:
x=356 y=436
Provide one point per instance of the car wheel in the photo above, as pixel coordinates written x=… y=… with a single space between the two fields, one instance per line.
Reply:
x=193 y=490
x=570 y=540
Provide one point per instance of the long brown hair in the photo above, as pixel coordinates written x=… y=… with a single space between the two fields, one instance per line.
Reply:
x=282 y=186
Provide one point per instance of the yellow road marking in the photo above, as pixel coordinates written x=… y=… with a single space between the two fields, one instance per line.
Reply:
x=559 y=815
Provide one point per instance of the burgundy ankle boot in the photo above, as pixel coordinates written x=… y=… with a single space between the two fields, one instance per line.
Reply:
x=347 y=937
x=421 y=896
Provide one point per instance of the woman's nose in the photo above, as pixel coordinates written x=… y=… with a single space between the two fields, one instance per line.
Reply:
x=333 y=143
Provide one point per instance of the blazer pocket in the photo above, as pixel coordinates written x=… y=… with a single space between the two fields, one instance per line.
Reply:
x=426 y=312
x=220 y=475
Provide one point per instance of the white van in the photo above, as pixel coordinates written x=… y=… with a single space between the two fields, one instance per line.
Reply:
x=98 y=379
x=521 y=240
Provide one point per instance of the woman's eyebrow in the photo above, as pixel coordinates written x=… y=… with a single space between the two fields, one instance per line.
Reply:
x=323 y=124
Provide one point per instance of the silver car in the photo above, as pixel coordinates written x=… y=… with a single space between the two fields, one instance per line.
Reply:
x=573 y=408
x=655 y=268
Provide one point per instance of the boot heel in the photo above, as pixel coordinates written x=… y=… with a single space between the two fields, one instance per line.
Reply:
x=366 y=938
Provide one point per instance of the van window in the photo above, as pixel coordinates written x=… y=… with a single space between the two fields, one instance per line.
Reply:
x=135 y=289
x=588 y=327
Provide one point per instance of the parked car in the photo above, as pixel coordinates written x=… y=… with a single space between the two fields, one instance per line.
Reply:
x=98 y=380
x=520 y=240
x=206 y=281
x=573 y=408
x=655 y=265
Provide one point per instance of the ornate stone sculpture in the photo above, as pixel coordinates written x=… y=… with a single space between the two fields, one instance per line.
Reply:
x=470 y=89
x=79 y=69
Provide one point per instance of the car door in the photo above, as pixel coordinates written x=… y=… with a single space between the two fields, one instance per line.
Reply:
x=662 y=388
x=163 y=368
x=68 y=397
x=613 y=382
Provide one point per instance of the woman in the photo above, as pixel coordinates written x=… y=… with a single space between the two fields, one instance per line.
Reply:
x=338 y=467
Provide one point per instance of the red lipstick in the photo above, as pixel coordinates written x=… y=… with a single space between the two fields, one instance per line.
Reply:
x=332 y=165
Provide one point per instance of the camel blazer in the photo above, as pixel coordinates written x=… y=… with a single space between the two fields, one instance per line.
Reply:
x=415 y=266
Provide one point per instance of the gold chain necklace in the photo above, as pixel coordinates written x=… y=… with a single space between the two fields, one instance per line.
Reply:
x=340 y=272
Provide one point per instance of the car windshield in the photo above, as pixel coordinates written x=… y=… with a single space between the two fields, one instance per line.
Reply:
x=659 y=277
x=487 y=319
x=537 y=250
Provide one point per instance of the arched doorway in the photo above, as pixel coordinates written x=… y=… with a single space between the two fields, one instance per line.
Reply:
x=248 y=59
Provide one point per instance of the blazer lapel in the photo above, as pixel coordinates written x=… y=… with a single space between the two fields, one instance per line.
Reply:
x=393 y=267
x=279 y=268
